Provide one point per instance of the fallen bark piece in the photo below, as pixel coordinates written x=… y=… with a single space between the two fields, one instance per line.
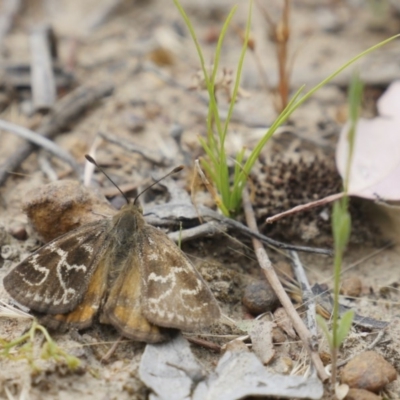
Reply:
x=369 y=371
x=241 y=374
x=170 y=370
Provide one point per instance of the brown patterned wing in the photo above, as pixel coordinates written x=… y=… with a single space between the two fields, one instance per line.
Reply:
x=123 y=307
x=82 y=316
x=173 y=294
x=54 y=279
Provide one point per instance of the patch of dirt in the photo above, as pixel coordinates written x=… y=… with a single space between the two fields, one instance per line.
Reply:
x=144 y=50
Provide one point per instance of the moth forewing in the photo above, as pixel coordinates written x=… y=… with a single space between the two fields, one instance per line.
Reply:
x=173 y=293
x=82 y=316
x=55 y=278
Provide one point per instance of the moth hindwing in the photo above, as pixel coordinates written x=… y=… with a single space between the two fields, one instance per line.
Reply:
x=122 y=269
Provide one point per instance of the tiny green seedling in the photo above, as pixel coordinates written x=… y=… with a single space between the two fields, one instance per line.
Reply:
x=341 y=228
x=22 y=348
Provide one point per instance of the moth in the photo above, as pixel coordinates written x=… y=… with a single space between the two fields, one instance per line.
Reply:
x=122 y=270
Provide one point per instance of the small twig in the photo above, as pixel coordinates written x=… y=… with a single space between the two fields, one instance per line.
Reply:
x=67 y=109
x=307 y=297
x=208 y=229
x=275 y=283
x=17 y=75
x=46 y=168
x=111 y=351
x=7 y=17
x=280 y=34
x=304 y=207
x=42 y=75
x=165 y=214
x=41 y=141
x=204 y=343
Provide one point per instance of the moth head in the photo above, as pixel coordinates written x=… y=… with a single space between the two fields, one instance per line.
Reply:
x=134 y=203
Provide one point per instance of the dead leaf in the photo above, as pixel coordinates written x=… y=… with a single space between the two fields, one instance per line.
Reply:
x=241 y=374
x=170 y=369
x=375 y=167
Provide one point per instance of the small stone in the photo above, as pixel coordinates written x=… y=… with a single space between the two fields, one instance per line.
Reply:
x=369 y=371
x=361 y=394
x=134 y=123
x=59 y=207
x=9 y=252
x=325 y=357
x=351 y=286
x=259 y=297
x=18 y=232
x=278 y=337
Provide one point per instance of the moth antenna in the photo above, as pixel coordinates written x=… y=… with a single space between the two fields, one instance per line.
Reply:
x=174 y=171
x=92 y=161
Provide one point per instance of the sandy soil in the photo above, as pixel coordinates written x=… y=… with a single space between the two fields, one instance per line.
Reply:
x=145 y=51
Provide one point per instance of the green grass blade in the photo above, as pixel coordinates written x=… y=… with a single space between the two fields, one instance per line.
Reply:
x=344 y=327
x=211 y=86
x=238 y=73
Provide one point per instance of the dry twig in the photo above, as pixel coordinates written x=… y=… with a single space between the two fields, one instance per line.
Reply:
x=41 y=141
x=274 y=281
x=204 y=343
x=67 y=109
x=305 y=207
x=307 y=296
x=43 y=84
x=7 y=17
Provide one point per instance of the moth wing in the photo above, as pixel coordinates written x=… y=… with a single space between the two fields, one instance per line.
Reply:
x=173 y=292
x=123 y=307
x=82 y=316
x=53 y=280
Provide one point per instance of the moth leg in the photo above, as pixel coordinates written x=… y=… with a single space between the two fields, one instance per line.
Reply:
x=82 y=316
x=123 y=309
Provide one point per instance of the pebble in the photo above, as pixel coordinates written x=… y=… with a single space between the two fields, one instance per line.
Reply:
x=369 y=371
x=58 y=207
x=18 y=232
x=351 y=286
x=361 y=394
x=278 y=336
x=259 y=297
